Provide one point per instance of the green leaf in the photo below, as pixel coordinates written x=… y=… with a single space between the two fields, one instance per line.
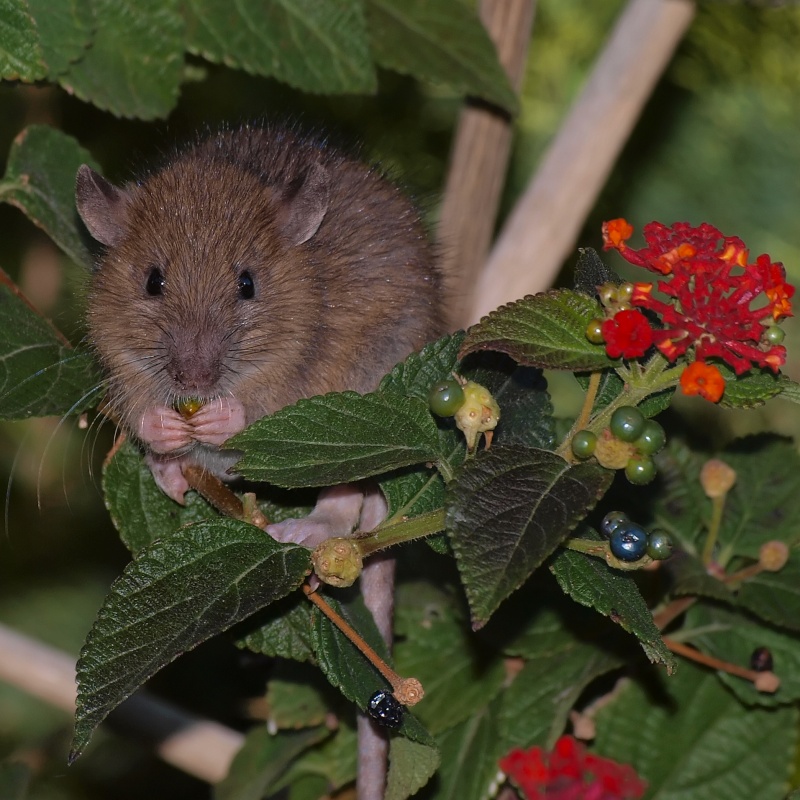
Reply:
x=591 y=582
x=591 y=272
x=507 y=510
x=140 y=511
x=697 y=742
x=348 y=669
x=612 y=386
x=688 y=576
x=178 y=592
x=14 y=781
x=337 y=438
x=436 y=647
x=790 y=390
x=725 y=634
x=470 y=752
x=298 y=696
x=263 y=759
x=775 y=596
x=411 y=766
x=40 y=181
x=546 y=330
x=443 y=42
x=65 y=29
x=416 y=375
x=40 y=375
x=21 y=56
x=750 y=390
x=316 y=47
x=134 y=66
x=283 y=629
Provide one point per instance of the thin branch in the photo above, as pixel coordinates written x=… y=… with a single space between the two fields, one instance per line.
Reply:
x=199 y=747
x=541 y=231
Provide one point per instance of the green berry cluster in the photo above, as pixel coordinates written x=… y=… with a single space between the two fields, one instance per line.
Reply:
x=628 y=425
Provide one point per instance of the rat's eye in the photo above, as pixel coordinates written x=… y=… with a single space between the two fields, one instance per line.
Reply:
x=155 y=282
x=247 y=289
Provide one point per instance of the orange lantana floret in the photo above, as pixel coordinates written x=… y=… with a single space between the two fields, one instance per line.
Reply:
x=703 y=379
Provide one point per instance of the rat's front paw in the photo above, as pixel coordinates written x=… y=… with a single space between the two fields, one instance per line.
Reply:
x=168 y=476
x=218 y=420
x=164 y=430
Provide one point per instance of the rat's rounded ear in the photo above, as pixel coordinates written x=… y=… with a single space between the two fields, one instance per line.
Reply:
x=305 y=203
x=103 y=207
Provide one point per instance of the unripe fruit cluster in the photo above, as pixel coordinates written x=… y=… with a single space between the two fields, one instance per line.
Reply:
x=475 y=410
x=630 y=542
x=630 y=442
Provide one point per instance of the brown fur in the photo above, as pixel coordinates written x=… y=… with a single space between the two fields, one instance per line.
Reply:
x=334 y=312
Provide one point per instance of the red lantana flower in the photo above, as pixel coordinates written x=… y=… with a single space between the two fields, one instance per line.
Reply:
x=570 y=773
x=703 y=379
x=718 y=303
x=627 y=334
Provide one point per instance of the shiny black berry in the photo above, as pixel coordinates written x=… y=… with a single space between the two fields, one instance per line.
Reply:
x=629 y=542
x=446 y=397
x=384 y=708
x=612 y=521
x=659 y=545
x=627 y=423
x=761 y=660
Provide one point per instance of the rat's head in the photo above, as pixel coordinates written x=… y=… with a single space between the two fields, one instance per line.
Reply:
x=201 y=281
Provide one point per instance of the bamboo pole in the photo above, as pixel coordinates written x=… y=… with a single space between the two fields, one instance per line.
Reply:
x=196 y=746
x=541 y=231
x=479 y=160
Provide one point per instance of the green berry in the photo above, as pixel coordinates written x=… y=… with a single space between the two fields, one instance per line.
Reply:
x=651 y=439
x=659 y=545
x=640 y=470
x=624 y=292
x=583 y=444
x=627 y=423
x=446 y=397
x=772 y=335
x=594 y=331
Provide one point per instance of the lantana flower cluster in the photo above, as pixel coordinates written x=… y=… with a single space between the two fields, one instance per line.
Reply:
x=569 y=772
x=718 y=306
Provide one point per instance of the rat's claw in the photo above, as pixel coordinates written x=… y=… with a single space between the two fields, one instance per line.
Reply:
x=164 y=430
x=218 y=420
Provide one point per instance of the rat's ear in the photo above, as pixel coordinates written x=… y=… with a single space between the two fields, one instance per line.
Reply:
x=305 y=204
x=103 y=207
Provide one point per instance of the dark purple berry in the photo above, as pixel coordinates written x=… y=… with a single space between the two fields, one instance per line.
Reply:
x=612 y=521
x=761 y=660
x=629 y=542
x=384 y=709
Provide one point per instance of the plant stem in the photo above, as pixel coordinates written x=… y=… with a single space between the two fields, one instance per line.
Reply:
x=672 y=611
x=717 y=508
x=586 y=410
x=215 y=491
x=403 y=530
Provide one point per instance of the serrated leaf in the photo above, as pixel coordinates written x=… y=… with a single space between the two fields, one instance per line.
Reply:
x=470 y=752
x=436 y=647
x=730 y=636
x=591 y=272
x=558 y=667
x=263 y=759
x=315 y=47
x=790 y=390
x=21 y=56
x=418 y=372
x=298 y=696
x=134 y=66
x=40 y=375
x=140 y=511
x=612 y=386
x=337 y=438
x=411 y=766
x=591 y=582
x=546 y=330
x=443 y=42
x=697 y=742
x=507 y=510
x=775 y=596
x=40 y=181
x=14 y=781
x=750 y=390
x=347 y=668
x=283 y=630
x=65 y=29
x=177 y=593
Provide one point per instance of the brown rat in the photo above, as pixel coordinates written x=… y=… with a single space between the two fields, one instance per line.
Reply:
x=256 y=267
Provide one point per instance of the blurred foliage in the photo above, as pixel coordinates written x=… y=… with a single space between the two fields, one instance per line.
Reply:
x=717 y=142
